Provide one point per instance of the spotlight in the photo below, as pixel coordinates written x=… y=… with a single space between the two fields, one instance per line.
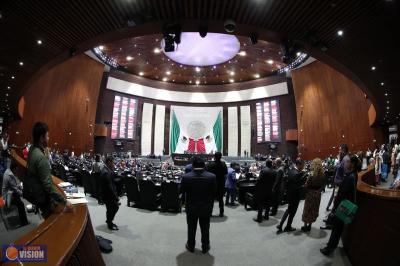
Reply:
x=230 y=26
x=340 y=33
x=39 y=42
x=156 y=50
x=242 y=53
x=270 y=61
x=129 y=58
x=141 y=73
x=254 y=38
x=198 y=69
x=197 y=82
x=373 y=68
x=172 y=35
x=257 y=76
x=203 y=29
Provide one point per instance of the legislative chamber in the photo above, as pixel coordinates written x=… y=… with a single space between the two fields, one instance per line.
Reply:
x=214 y=132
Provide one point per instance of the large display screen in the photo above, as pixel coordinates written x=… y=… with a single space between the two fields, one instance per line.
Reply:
x=268 y=121
x=124 y=118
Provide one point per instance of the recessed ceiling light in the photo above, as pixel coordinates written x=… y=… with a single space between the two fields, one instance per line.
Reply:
x=386 y=94
x=141 y=73
x=198 y=69
x=168 y=72
x=270 y=61
x=6 y=94
x=387 y=107
x=232 y=73
x=387 y=102
x=12 y=77
x=373 y=68
x=231 y=80
x=101 y=47
x=157 y=50
x=164 y=79
x=340 y=32
x=21 y=63
x=8 y=87
x=197 y=82
x=298 y=53
x=129 y=58
x=190 y=81
x=242 y=53
x=382 y=83
x=257 y=76
x=39 y=42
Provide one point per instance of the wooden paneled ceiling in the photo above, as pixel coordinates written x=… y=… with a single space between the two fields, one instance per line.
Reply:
x=34 y=34
x=142 y=56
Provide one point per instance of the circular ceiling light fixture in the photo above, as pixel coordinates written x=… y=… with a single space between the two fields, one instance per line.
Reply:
x=213 y=49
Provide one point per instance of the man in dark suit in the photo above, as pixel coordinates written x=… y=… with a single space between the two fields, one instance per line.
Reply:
x=219 y=169
x=277 y=188
x=347 y=191
x=263 y=193
x=200 y=188
x=109 y=193
x=295 y=187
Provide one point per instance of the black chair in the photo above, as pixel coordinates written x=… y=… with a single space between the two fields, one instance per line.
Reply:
x=170 y=197
x=249 y=200
x=149 y=197
x=132 y=190
x=87 y=182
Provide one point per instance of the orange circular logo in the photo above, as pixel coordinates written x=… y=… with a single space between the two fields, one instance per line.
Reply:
x=11 y=253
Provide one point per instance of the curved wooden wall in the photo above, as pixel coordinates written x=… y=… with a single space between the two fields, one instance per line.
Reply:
x=373 y=236
x=66 y=99
x=331 y=110
x=69 y=236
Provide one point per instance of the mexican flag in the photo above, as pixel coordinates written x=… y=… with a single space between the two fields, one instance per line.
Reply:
x=195 y=129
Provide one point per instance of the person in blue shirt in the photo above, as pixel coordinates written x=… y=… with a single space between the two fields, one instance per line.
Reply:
x=230 y=184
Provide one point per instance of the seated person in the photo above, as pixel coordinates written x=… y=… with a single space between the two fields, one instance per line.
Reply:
x=12 y=185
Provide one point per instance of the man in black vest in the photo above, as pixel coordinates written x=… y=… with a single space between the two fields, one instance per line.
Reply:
x=109 y=193
x=295 y=189
x=200 y=188
x=263 y=194
x=219 y=169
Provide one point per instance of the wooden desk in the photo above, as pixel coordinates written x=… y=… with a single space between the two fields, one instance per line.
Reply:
x=373 y=237
x=69 y=237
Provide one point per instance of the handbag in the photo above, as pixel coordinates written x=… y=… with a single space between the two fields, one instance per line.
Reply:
x=347 y=209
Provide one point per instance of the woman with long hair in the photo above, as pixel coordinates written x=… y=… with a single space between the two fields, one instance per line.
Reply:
x=314 y=185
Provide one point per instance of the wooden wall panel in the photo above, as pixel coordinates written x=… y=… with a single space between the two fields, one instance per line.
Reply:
x=66 y=99
x=331 y=110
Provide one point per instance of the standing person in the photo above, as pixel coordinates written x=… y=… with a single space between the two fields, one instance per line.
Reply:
x=347 y=191
x=97 y=166
x=12 y=185
x=109 y=193
x=378 y=169
x=200 y=188
x=343 y=154
x=278 y=187
x=219 y=169
x=385 y=164
x=38 y=184
x=230 y=184
x=314 y=185
x=295 y=187
x=4 y=149
x=263 y=193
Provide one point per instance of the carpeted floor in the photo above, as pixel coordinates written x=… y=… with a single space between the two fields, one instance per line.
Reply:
x=155 y=238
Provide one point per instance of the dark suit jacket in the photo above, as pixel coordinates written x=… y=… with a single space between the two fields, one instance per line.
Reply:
x=220 y=171
x=264 y=184
x=279 y=181
x=200 y=189
x=295 y=185
x=109 y=193
x=347 y=189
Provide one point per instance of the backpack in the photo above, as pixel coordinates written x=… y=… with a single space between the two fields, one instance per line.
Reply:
x=104 y=244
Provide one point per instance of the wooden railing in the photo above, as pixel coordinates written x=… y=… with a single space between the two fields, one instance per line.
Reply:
x=69 y=236
x=373 y=236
